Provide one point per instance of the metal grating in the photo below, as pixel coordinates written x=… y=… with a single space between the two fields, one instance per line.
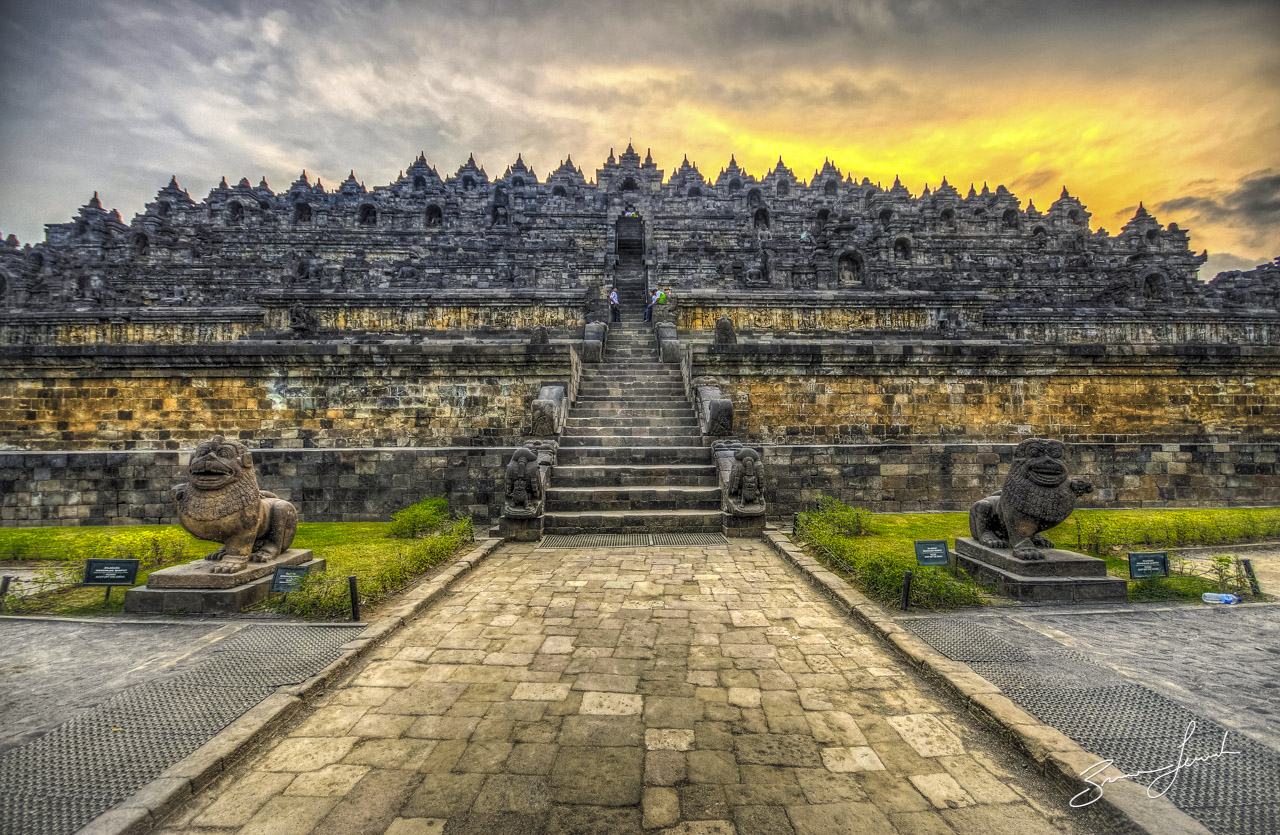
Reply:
x=963 y=640
x=689 y=539
x=61 y=781
x=597 y=540
x=1137 y=728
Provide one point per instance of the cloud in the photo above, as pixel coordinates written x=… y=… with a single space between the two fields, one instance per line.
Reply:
x=1252 y=205
x=1115 y=102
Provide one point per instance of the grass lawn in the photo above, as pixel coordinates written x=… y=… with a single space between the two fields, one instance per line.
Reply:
x=360 y=548
x=1108 y=534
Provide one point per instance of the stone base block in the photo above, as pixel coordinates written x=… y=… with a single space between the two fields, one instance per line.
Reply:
x=199 y=574
x=1061 y=577
x=522 y=530
x=150 y=600
x=743 y=526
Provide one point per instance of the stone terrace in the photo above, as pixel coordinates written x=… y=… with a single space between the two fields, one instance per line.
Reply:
x=627 y=690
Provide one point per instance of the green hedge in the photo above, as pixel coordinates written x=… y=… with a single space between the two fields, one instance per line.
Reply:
x=843 y=538
x=323 y=596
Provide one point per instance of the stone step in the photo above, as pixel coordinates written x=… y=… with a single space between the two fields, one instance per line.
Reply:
x=586 y=408
x=677 y=497
x=634 y=386
x=633 y=521
x=583 y=433
x=633 y=371
x=685 y=421
x=672 y=401
x=609 y=456
x=651 y=440
x=634 y=394
x=636 y=475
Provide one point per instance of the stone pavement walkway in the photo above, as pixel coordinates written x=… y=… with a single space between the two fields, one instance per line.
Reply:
x=684 y=690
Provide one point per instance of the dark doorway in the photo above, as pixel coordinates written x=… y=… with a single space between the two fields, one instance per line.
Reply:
x=630 y=240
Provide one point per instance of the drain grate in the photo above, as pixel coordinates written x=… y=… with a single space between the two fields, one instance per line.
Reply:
x=631 y=540
x=962 y=640
x=689 y=539
x=61 y=781
x=597 y=540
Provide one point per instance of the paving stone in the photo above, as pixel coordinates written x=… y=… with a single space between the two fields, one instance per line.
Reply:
x=372 y=804
x=668 y=739
x=593 y=820
x=666 y=768
x=712 y=767
x=851 y=759
x=329 y=781
x=761 y=820
x=541 y=692
x=404 y=754
x=444 y=795
x=777 y=749
x=826 y=818
x=525 y=794
x=661 y=807
x=599 y=776
x=307 y=753
x=242 y=800
x=600 y=730
x=612 y=704
x=822 y=786
x=416 y=826
x=942 y=790
x=927 y=735
x=289 y=815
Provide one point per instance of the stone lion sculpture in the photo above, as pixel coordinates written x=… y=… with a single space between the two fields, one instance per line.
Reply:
x=1037 y=495
x=222 y=503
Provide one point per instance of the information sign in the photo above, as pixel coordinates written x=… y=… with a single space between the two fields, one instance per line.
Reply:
x=110 y=572
x=1144 y=564
x=288 y=578
x=932 y=552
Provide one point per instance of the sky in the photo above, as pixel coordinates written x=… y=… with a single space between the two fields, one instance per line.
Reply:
x=1176 y=103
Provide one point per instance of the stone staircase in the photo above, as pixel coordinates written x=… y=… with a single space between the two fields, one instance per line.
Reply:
x=631 y=455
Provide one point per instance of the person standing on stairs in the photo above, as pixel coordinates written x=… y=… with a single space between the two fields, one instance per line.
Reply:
x=614 y=308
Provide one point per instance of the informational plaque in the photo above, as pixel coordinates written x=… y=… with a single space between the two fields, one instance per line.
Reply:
x=1144 y=564
x=110 y=572
x=932 y=552
x=288 y=578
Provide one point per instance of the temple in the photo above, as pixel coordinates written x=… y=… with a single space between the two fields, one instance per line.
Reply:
x=885 y=341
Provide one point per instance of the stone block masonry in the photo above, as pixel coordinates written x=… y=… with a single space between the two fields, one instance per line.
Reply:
x=348 y=485
x=296 y=394
x=326 y=485
x=974 y=391
x=904 y=478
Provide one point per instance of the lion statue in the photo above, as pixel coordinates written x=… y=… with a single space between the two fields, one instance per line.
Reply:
x=1037 y=495
x=222 y=503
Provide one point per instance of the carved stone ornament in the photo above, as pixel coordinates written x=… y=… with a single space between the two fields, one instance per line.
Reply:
x=746 y=483
x=523 y=486
x=222 y=503
x=1037 y=496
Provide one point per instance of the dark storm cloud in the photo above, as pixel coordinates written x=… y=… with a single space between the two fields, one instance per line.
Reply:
x=1252 y=205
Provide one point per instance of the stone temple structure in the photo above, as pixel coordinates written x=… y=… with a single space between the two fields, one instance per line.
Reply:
x=373 y=345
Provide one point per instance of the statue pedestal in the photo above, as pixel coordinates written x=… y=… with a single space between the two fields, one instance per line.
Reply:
x=193 y=588
x=747 y=527
x=522 y=529
x=1061 y=577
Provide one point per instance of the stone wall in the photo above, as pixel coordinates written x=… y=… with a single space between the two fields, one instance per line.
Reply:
x=295 y=394
x=329 y=485
x=161 y=326
x=898 y=478
x=858 y=392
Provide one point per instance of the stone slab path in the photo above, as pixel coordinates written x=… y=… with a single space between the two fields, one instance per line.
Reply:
x=616 y=690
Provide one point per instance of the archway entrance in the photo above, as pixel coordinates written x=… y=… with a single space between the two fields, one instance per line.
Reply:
x=630 y=241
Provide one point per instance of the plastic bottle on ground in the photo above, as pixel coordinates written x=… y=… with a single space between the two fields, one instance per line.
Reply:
x=1214 y=597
